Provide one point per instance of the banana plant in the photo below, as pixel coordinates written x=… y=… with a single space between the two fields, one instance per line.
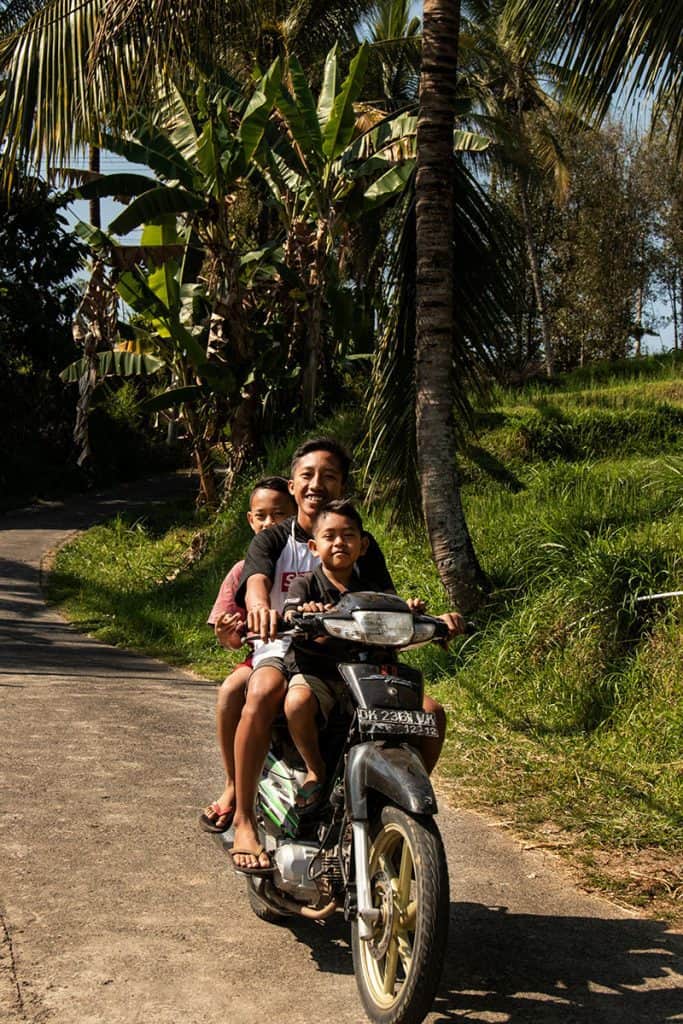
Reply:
x=197 y=168
x=333 y=167
x=167 y=339
x=322 y=182
x=301 y=151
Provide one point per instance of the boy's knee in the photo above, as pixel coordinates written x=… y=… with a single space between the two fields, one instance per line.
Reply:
x=265 y=686
x=300 y=698
x=233 y=685
x=429 y=704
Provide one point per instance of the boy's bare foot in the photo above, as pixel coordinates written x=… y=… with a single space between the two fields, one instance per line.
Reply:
x=248 y=853
x=217 y=816
x=308 y=797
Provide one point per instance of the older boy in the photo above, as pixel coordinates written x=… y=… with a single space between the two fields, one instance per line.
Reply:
x=319 y=473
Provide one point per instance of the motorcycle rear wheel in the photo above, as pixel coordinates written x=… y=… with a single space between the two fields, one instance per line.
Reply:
x=398 y=970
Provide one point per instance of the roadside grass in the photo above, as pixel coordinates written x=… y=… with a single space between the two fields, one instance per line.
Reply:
x=565 y=710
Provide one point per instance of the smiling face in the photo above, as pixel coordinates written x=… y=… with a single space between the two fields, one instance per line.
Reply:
x=316 y=479
x=338 y=542
x=268 y=507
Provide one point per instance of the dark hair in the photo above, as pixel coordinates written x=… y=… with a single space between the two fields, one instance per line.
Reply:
x=324 y=444
x=271 y=483
x=340 y=507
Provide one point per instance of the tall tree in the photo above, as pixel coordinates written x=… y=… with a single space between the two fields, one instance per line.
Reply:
x=668 y=182
x=514 y=88
x=603 y=259
x=394 y=34
x=451 y=545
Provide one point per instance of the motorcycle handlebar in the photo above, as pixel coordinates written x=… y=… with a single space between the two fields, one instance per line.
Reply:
x=310 y=625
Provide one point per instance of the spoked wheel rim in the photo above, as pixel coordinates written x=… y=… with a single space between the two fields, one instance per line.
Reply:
x=387 y=958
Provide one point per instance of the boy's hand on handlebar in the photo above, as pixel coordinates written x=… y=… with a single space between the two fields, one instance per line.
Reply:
x=416 y=604
x=314 y=606
x=264 y=622
x=228 y=630
x=456 y=624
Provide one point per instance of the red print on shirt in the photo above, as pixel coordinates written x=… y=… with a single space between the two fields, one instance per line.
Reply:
x=287 y=578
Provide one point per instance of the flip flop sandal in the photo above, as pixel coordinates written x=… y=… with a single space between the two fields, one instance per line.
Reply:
x=259 y=871
x=209 y=824
x=311 y=793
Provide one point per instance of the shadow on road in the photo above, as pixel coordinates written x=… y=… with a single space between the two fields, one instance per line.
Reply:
x=527 y=969
x=329 y=942
x=36 y=642
x=81 y=511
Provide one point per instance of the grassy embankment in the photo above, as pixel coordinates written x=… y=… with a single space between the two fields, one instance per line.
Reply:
x=565 y=709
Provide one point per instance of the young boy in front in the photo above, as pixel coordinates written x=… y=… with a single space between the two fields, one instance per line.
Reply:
x=269 y=504
x=314 y=682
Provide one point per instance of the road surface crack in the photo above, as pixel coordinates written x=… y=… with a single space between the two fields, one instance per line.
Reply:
x=7 y=954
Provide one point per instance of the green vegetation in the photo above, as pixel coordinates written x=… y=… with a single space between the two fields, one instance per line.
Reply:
x=292 y=259
x=565 y=708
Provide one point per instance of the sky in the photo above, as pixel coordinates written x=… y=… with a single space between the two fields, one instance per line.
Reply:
x=109 y=164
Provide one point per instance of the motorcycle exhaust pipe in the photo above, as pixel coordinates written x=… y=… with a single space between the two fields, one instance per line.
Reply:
x=292 y=907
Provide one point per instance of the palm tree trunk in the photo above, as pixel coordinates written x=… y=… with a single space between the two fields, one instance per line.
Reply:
x=313 y=336
x=452 y=548
x=535 y=270
x=94 y=206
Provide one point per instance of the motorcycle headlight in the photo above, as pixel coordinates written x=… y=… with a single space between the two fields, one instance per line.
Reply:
x=391 y=628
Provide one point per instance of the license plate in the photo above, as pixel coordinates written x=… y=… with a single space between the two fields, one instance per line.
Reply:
x=377 y=722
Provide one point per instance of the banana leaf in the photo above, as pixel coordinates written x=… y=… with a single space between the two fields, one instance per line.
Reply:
x=341 y=124
x=256 y=116
x=177 y=396
x=156 y=203
x=122 y=184
x=329 y=88
x=113 y=364
x=471 y=142
x=305 y=102
x=152 y=150
x=389 y=185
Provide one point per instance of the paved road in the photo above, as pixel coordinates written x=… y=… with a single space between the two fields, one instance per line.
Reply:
x=116 y=909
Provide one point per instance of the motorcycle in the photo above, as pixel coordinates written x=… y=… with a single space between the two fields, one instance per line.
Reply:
x=372 y=847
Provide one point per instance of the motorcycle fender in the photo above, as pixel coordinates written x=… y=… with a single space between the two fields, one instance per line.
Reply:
x=396 y=772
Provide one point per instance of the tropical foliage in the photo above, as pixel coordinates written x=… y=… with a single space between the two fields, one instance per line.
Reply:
x=394 y=222
x=632 y=49
x=267 y=314
x=103 y=74
x=38 y=297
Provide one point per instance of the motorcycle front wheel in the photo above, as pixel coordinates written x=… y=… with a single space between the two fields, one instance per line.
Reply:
x=399 y=968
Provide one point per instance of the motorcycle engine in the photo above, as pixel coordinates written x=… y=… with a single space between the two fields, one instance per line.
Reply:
x=292 y=862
